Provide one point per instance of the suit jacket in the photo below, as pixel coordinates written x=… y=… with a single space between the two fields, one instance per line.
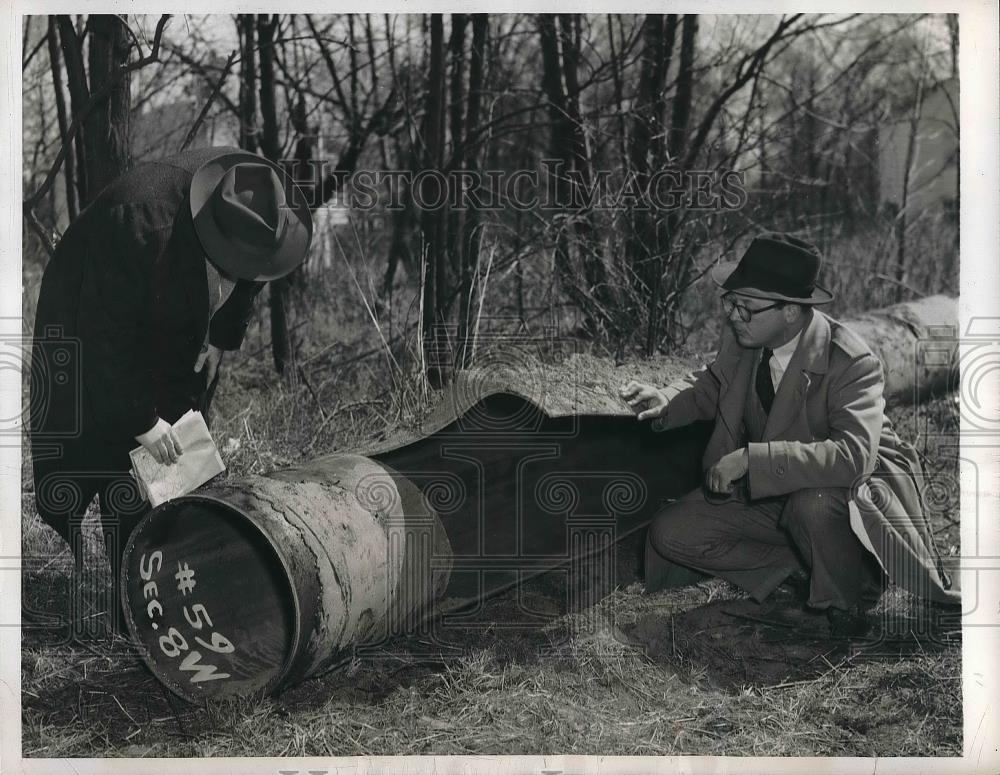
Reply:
x=826 y=428
x=126 y=294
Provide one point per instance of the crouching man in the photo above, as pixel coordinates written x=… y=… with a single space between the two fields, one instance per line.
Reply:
x=805 y=478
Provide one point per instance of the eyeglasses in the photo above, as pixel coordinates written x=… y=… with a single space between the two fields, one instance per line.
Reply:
x=743 y=311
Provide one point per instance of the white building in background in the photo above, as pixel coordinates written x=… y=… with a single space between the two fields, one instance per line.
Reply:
x=934 y=169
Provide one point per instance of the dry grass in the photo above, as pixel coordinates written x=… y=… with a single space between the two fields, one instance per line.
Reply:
x=591 y=694
x=577 y=685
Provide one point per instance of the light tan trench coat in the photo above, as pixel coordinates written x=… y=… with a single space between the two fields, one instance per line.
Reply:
x=826 y=428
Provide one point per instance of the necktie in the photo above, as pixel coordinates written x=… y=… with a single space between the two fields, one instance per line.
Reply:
x=765 y=388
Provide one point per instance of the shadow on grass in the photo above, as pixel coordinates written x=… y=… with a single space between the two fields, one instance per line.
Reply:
x=739 y=644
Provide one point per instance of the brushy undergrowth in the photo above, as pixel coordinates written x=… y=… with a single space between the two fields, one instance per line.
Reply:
x=576 y=686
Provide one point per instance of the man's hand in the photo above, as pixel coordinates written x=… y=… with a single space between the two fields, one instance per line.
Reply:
x=647 y=401
x=210 y=358
x=723 y=475
x=162 y=442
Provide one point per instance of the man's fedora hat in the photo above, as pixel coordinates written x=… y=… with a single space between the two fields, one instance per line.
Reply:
x=775 y=266
x=251 y=219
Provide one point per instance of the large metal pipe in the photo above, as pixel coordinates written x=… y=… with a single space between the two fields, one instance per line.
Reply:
x=257 y=582
x=917 y=343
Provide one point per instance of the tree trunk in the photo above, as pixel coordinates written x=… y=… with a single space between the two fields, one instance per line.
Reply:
x=79 y=92
x=902 y=218
x=953 y=39
x=677 y=144
x=69 y=165
x=456 y=57
x=270 y=145
x=681 y=112
x=560 y=141
x=617 y=79
x=248 y=83
x=645 y=155
x=470 y=233
x=305 y=173
x=435 y=285
x=591 y=256
x=106 y=130
x=680 y=118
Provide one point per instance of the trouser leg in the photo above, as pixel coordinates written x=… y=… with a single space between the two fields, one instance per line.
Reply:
x=842 y=572
x=62 y=496
x=736 y=540
x=661 y=573
x=64 y=488
x=122 y=508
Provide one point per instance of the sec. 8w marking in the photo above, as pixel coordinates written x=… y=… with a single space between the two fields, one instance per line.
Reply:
x=149 y=589
x=173 y=643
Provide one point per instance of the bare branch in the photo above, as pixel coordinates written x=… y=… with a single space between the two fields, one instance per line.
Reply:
x=94 y=100
x=211 y=99
x=35 y=50
x=203 y=71
x=44 y=236
x=746 y=69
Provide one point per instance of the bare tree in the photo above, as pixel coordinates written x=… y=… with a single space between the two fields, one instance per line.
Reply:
x=646 y=150
x=434 y=221
x=106 y=131
x=79 y=92
x=69 y=171
x=560 y=143
x=677 y=139
x=100 y=107
x=470 y=238
x=456 y=118
x=902 y=217
x=270 y=146
x=248 y=82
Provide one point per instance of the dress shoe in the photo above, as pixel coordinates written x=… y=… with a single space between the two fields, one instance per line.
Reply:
x=852 y=623
x=798 y=583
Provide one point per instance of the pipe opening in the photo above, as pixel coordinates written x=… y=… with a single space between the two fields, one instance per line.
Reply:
x=210 y=600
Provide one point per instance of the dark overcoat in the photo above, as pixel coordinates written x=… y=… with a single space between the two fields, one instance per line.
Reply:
x=123 y=311
x=827 y=428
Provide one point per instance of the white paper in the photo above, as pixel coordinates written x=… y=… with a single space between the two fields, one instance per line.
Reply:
x=199 y=461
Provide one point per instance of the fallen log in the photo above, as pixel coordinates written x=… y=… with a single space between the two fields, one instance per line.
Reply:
x=258 y=582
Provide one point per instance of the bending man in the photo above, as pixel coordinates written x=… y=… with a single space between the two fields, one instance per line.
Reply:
x=146 y=290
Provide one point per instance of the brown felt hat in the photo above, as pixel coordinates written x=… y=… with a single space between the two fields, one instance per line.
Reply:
x=776 y=266
x=251 y=219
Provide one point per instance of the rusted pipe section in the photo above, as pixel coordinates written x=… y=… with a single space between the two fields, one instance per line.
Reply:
x=917 y=342
x=259 y=582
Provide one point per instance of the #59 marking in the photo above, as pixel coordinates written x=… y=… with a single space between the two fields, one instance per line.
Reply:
x=173 y=643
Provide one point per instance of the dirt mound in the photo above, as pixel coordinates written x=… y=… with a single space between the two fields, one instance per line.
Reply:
x=736 y=643
x=732 y=644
